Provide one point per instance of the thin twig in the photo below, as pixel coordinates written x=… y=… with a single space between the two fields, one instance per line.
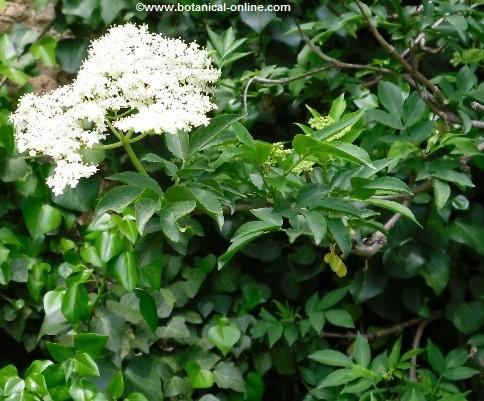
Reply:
x=445 y=115
x=398 y=57
x=416 y=344
x=378 y=240
x=337 y=63
x=397 y=328
x=281 y=81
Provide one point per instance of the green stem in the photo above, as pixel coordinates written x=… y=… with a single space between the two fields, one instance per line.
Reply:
x=134 y=159
x=120 y=144
x=127 y=147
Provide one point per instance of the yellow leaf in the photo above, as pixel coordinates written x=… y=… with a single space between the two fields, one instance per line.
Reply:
x=336 y=264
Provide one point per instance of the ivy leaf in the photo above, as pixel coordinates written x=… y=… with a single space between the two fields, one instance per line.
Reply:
x=90 y=343
x=84 y=365
x=227 y=375
x=115 y=386
x=147 y=308
x=126 y=271
x=75 y=302
x=223 y=337
x=40 y=218
x=199 y=378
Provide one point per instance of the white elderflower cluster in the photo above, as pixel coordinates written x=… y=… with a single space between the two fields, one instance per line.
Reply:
x=155 y=85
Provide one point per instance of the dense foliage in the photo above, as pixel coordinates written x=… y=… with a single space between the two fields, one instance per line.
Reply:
x=320 y=239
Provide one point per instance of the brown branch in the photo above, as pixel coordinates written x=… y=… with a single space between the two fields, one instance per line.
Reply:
x=378 y=240
x=397 y=328
x=398 y=57
x=419 y=77
x=477 y=106
x=337 y=63
x=416 y=344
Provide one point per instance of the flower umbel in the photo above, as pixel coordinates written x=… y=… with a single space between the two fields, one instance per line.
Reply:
x=154 y=84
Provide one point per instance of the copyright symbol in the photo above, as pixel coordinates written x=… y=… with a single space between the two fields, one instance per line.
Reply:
x=140 y=7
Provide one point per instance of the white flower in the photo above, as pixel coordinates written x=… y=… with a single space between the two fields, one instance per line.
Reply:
x=68 y=173
x=165 y=82
x=156 y=85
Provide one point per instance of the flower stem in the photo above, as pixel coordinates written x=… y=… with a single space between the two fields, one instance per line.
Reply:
x=126 y=144
x=134 y=159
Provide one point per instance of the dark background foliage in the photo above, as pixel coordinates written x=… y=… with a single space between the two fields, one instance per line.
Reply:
x=124 y=312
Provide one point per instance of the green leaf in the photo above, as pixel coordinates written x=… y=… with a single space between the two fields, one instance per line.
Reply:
x=317 y=321
x=115 y=387
x=70 y=53
x=456 y=358
x=136 y=397
x=138 y=180
x=118 y=199
x=332 y=298
x=391 y=97
x=385 y=118
x=90 y=343
x=245 y=234
x=307 y=146
x=40 y=218
x=227 y=376
x=257 y=20
x=144 y=209
x=454 y=177
x=44 y=50
x=170 y=215
x=317 y=225
x=75 y=302
x=81 y=198
x=223 y=337
x=340 y=234
x=413 y=109
x=147 y=308
x=16 y=76
x=177 y=144
x=461 y=373
x=204 y=137
x=108 y=245
x=59 y=352
x=394 y=207
x=125 y=270
x=331 y=358
x=331 y=130
x=199 y=378
x=340 y=317
x=361 y=351
x=84 y=365
x=142 y=375
x=442 y=193
x=338 y=107
x=254 y=387
x=338 y=377
x=209 y=203
x=435 y=357
x=110 y=10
